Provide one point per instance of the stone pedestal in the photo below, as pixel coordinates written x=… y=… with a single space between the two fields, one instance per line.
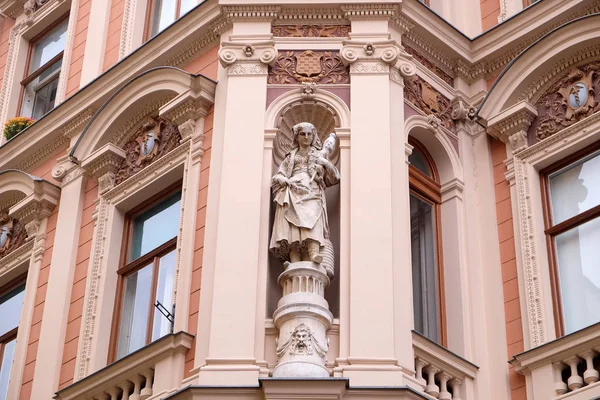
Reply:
x=302 y=318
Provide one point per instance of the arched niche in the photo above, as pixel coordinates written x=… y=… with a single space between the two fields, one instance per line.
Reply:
x=134 y=101
x=535 y=69
x=329 y=114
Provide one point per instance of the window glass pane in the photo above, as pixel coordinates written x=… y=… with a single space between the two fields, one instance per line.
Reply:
x=5 y=367
x=155 y=227
x=575 y=189
x=418 y=160
x=49 y=46
x=134 y=314
x=10 y=309
x=164 y=293
x=40 y=94
x=578 y=254
x=187 y=5
x=424 y=270
x=164 y=14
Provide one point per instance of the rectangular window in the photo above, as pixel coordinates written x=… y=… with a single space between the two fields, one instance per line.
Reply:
x=43 y=68
x=147 y=276
x=164 y=12
x=11 y=302
x=572 y=202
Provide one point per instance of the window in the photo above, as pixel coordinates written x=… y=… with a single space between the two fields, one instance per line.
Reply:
x=571 y=191
x=11 y=302
x=43 y=68
x=425 y=230
x=164 y=12
x=147 y=275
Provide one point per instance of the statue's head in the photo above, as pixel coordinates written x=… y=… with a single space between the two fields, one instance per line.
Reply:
x=305 y=129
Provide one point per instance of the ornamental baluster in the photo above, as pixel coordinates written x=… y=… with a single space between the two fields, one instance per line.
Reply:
x=590 y=375
x=125 y=386
x=419 y=365
x=575 y=381
x=444 y=393
x=114 y=393
x=147 y=390
x=455 y=385
x=559 y=385
x=137 y=387
x=432 y=389
x=102 y=396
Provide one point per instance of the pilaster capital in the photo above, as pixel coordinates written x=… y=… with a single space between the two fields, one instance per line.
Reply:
x=511 y=125
x=376 y=57
x=463 y=115
x=103 y=164
x=248 y=58
x=36 y=206
x=66 y=171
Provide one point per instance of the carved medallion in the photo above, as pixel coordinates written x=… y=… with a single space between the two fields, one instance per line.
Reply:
x=152 y=140
x=571 y=99
x=12 y=234
x=311 y=30
x=323 y=67
x=423 y=96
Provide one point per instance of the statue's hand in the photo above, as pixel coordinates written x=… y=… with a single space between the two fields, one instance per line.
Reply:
x=280 y=180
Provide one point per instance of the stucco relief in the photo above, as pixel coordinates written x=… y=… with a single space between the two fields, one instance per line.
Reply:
x=322 y=67
x=155 y=138
x=574 y=97
x=423 y=96
x=12 y=234
x=311 y=30
x=429 y=65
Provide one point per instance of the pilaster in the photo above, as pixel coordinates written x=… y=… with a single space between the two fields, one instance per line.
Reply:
x=60 y=280
x=380 y=344
x=231 y=356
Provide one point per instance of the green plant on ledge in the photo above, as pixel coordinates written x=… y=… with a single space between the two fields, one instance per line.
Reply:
x=13 y=126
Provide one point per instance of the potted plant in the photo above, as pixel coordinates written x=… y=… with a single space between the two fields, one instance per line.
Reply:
x=13 y=126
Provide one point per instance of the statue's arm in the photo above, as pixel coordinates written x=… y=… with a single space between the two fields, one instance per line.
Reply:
x=279 y=180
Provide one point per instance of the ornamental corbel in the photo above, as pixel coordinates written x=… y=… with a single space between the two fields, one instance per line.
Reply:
x=103 y=164
x=308 y=90
x=511 y=126
x=36 y=206
x=247 y=58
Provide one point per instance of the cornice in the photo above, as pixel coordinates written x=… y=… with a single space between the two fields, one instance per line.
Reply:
x=12 y=8
x=251 y=13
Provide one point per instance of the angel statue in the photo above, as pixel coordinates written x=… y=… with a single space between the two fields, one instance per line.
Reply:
x=301 y=228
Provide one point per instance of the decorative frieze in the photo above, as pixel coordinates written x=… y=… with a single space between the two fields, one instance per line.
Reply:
x=429 y=65
x=322 y=67
x=155 y=138
x=427 y=99
x=320 y=30
x=574 y=97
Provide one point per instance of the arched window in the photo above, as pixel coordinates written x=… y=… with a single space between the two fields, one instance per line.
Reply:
x=426 y=249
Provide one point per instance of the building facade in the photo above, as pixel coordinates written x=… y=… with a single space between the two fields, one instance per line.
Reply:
x=173 y=149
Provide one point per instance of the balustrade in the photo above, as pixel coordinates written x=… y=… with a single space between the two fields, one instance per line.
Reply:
x=441 y=373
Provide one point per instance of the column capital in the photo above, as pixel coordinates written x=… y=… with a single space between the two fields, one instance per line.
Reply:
x=103 y=164
x=377 y=57
x=511 y=125
x=247 y=58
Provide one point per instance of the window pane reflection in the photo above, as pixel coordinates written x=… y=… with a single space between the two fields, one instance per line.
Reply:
x=164 y=294
x=10 y=309
x=164 y=15
x=575 y=189
x=418 y=160
x=134 y=315
x=49 y=46
x=187 y=5
x=578 y=254
x=5 y=367
x=155 y=227
x=424 y=270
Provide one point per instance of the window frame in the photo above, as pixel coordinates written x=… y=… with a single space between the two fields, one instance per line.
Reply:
x=551 y=230
x=127 y=268
x=150 y=15
x=12 y=334
x=428 y=189
x=28 y=77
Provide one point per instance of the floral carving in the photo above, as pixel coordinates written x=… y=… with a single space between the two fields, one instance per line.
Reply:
x=323 y=67
x=155 y=138
x=572 y=98
x=423 y=96
x=429 y=65
x=311 y=30
x=12 y=234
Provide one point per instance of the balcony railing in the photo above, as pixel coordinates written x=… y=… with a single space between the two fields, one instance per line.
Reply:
x=568 y=367
x=149 y=372
x=441 y=373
